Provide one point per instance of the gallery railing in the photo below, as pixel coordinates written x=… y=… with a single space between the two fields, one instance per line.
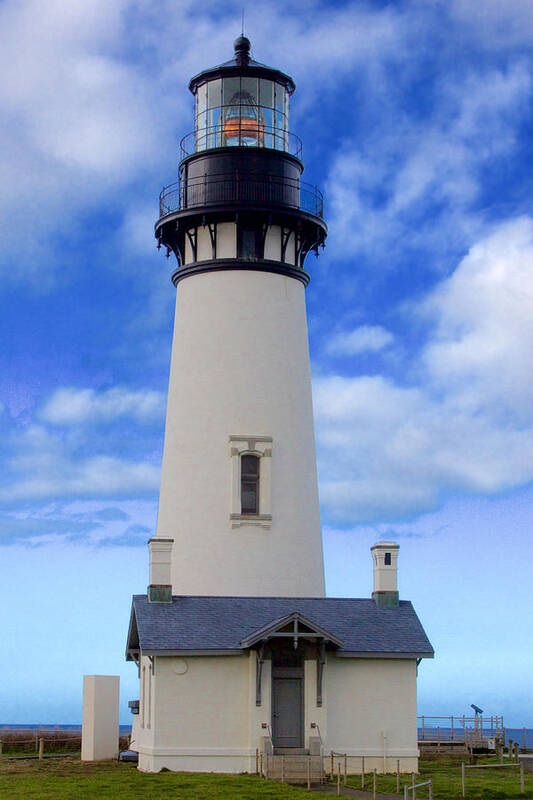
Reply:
x=242 y=132
x=228 y=189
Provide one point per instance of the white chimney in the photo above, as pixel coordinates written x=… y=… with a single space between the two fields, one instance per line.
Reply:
x=385 y=557
x=160 y=588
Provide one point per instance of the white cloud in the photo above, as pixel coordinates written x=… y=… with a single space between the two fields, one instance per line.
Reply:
x=70 y=406
x=96 y=522
x=466 y=423
x=88 y=444
x=481 y=353
x=496 y=23
x=365 y=338
x=42 y=465
x=419 y=180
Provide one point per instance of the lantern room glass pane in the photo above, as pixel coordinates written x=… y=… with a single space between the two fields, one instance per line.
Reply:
x=229 y=87
x=214 y=102
x=250 y=86
x=201 y=117
x=281 y=122
x=266 y=101
x=214 y=93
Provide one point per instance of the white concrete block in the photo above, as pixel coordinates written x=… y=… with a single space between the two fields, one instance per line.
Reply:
x=99 y=735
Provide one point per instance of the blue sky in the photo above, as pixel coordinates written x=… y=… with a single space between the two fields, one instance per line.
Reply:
x=416 y=121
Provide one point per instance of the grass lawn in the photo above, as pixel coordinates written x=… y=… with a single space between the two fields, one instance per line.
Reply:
x=481 y=784
x=70 y=779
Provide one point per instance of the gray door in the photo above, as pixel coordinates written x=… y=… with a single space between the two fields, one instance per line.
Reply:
x=287 y=711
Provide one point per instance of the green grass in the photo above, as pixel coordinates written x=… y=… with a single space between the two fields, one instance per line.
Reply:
x=70 y=779
x=481 y=784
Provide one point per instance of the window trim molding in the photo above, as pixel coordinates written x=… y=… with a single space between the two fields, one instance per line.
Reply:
x=261 y=447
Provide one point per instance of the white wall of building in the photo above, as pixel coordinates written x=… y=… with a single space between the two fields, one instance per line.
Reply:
x=240 y=367
x=371 y=710
x=204 y=716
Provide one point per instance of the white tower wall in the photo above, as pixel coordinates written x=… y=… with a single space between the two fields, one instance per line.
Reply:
x=240 y=379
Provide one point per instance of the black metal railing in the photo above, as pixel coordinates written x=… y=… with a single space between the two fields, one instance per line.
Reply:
x=229 y=189
x=244 y=133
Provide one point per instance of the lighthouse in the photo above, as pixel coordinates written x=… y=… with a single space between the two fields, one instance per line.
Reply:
x=242 y=660
x=239 y=492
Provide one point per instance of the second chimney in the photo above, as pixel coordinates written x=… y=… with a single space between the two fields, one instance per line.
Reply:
x=385 y=556
x=160 y=588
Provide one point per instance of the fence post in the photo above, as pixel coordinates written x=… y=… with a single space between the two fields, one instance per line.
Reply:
x=261 y=764
x=398 y=776
x=452 y=727
x=345 y=768
x=374 y=783
x=463 y=777
x=256 y=760
x=332 y=768
x=339 y=779
x=423 y=732
x=414 y=783
x=41 y=748
x=522 y=788
x=282 y=769
x=309 y=773
x=430 y=790
x=524 y=738
x=362 y=772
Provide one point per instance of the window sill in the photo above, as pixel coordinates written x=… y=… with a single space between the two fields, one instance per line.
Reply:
x=260 y=520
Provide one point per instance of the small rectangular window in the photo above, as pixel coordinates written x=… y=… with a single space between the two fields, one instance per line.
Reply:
x=249 y=484
x=387 y=560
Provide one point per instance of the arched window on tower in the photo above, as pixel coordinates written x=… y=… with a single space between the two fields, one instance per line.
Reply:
x=249 y=484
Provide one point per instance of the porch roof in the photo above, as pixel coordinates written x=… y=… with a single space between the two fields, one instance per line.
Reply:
x=228 y=625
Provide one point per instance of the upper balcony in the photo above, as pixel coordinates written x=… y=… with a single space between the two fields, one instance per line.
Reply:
x=229 y=189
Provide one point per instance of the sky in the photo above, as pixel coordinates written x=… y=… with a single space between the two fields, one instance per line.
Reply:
x=416 y=122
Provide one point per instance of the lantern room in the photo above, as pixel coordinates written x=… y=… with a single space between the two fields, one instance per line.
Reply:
x=241 y=103
x=241 y=111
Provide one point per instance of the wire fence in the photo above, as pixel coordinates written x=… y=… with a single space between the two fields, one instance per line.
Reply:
x=43 y=741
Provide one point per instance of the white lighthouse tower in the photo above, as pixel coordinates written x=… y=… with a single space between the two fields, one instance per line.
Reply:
x=239 y=492
x=242 y=659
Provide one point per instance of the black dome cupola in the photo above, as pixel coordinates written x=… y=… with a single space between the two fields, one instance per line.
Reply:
x=240 y=202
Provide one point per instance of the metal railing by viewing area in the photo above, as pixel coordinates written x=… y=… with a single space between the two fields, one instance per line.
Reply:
x=459 y=729
x=225 y=189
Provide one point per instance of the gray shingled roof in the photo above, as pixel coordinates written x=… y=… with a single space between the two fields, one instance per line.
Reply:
x=221 y=623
